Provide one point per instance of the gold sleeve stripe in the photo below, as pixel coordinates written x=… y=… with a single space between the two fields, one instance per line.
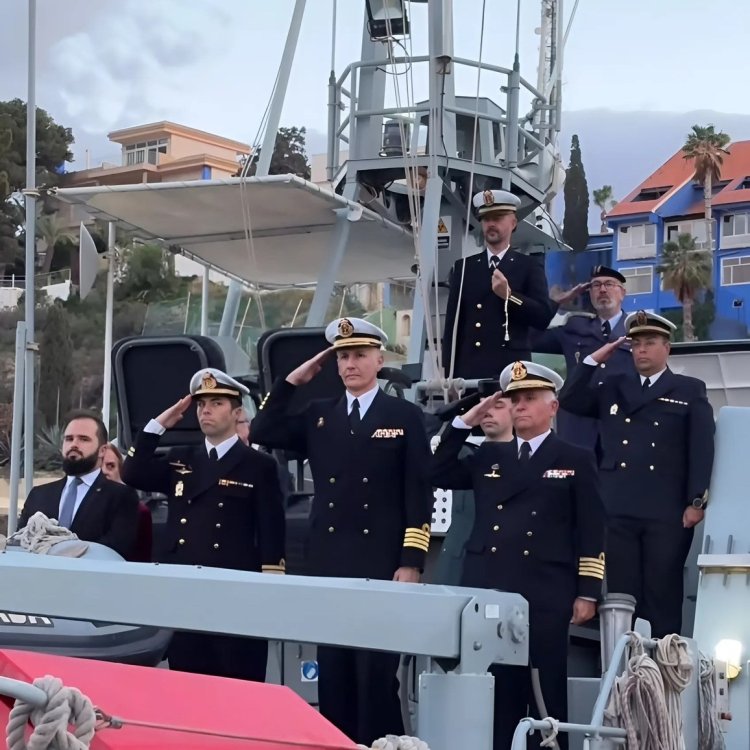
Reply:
x=594 y=566
x=424 y=531
x=598 y=560
x=416 y=538
x=273 y=568
x=417 y=545
x=591 y=574
x=516 y=300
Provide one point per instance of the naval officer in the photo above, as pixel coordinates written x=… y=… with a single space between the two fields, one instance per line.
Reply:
x=225 y=511
x=656 y=456
x=372 y=510
x=538 y=532
x=496 y=296
x=584 y=333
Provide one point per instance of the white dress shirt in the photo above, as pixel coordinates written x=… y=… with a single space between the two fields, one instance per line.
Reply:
x=534 y=442
x=87 y=481
x=499 y=256
x=365 y=400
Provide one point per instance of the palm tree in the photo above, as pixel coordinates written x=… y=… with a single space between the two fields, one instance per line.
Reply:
x=706 y=148
x=49 y=231
x=686 y=271
x=603 y=199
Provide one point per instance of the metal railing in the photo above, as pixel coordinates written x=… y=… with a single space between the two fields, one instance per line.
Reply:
x=14 y=281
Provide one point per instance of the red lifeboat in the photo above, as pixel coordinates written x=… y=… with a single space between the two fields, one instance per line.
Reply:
x=161 y=709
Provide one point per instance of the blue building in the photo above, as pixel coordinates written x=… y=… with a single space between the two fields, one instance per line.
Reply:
x=669 y=203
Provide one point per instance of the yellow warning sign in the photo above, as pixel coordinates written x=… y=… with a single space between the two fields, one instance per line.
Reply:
x=442 y=229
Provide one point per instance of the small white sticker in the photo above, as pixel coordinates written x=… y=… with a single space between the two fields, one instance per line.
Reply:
x=491 y=611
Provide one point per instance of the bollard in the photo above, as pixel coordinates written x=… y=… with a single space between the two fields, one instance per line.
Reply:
x=615 y=618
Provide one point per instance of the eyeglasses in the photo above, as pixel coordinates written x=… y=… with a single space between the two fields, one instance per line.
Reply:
x=605 y=284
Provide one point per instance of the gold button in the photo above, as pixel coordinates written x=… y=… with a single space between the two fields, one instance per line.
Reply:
x=365 y=506
x=183 y=520
x=525 y=553
x=477 y=325
x=493 y=549
x=216 y=546
x=330 y=505
x=533 y=512
x=332 y=480
x=627 y=419
x=365 y=480
x=529 y=533
x=218 y=525
x=330 y=529
x=651 y=467
x=653 y=445
x=365 y=531
x=477 y=343
x=602 y=365
x=624 y=442
x=623 y=464
x=182 y=541
x=496 y=528
x=479 y=306
x=499 y=507
x=221 y=505
x=656 y=424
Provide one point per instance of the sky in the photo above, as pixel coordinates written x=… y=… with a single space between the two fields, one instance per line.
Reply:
x=210 y=64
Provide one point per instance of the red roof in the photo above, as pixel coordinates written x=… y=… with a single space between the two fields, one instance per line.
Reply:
x=677 y=171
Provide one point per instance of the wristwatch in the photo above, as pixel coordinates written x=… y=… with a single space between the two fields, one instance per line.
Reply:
x=700 y=502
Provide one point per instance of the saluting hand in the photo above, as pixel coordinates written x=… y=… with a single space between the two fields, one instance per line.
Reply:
x=500 y=284
x=474 y=416
x=605 y=352
x=562 y=297
x=170 y=417
x=308 y=370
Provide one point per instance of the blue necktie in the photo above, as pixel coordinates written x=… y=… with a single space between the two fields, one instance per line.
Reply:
x=69 y=503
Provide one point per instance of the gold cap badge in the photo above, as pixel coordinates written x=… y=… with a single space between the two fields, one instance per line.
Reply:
x=489 y=198
x=346 y=328
x=519 y=371
x=641 y=318
x=208 y=382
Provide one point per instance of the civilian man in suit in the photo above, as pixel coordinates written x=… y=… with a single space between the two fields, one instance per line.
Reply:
x=496 y=296
x=224 y=511
x=497 y=427
x=583 y=334
x=85 y=501
x=539 y=532
x=656 y=432
x=372 y=509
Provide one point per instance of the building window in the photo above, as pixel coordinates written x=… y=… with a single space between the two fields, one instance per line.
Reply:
x=639 y=279
x=696 y=228
x=735 y=270
x=146 y=151
x=736 y=225
x=636 y=241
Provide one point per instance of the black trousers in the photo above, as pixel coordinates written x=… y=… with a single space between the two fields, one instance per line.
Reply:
x=358 y=692
x=646 y=559
x=219 y=655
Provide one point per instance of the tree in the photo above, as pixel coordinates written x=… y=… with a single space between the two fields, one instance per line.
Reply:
x=576 y=220
x=55 y=366
x=53 y=143
x=288 y=154
x=146 y=273
x=706 y=148
x=603 y=199
x=686 y=271
x=50 y=231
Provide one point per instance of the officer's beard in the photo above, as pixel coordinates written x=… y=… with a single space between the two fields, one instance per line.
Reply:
x=75 y=466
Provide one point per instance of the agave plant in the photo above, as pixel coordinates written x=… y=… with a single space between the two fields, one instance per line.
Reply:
x=48 y=454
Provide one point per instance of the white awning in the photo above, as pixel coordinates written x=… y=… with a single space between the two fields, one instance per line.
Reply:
x=292 y=223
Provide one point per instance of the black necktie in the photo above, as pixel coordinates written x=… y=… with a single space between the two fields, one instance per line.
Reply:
x=606 y=329
x=213 y=454
x=354 y=419
x=494 y=263
x=525 y=453
x=646 y=384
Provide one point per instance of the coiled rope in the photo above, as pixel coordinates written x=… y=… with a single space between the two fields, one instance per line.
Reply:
x=393 y=742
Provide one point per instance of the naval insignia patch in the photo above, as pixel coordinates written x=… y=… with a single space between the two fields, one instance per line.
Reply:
x=346 y=328
x=494 y=473
x=208 y=382
x=489 y=198
x=641 y=318
x=179 y=488
x=519 y=371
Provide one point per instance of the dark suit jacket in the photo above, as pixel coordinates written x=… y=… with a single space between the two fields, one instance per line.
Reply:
x=539 y=529
x=107 y=515
x=373 y=501
x=657 y=446
x=223 y=514
x=481 y=349
x=580 y=336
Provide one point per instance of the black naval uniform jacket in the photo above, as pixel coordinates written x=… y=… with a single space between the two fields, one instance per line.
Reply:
x=223 y=514
x=372 y=509
x=580 y=336
x=481 y=348
x=657 y=445
x=539 y=528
